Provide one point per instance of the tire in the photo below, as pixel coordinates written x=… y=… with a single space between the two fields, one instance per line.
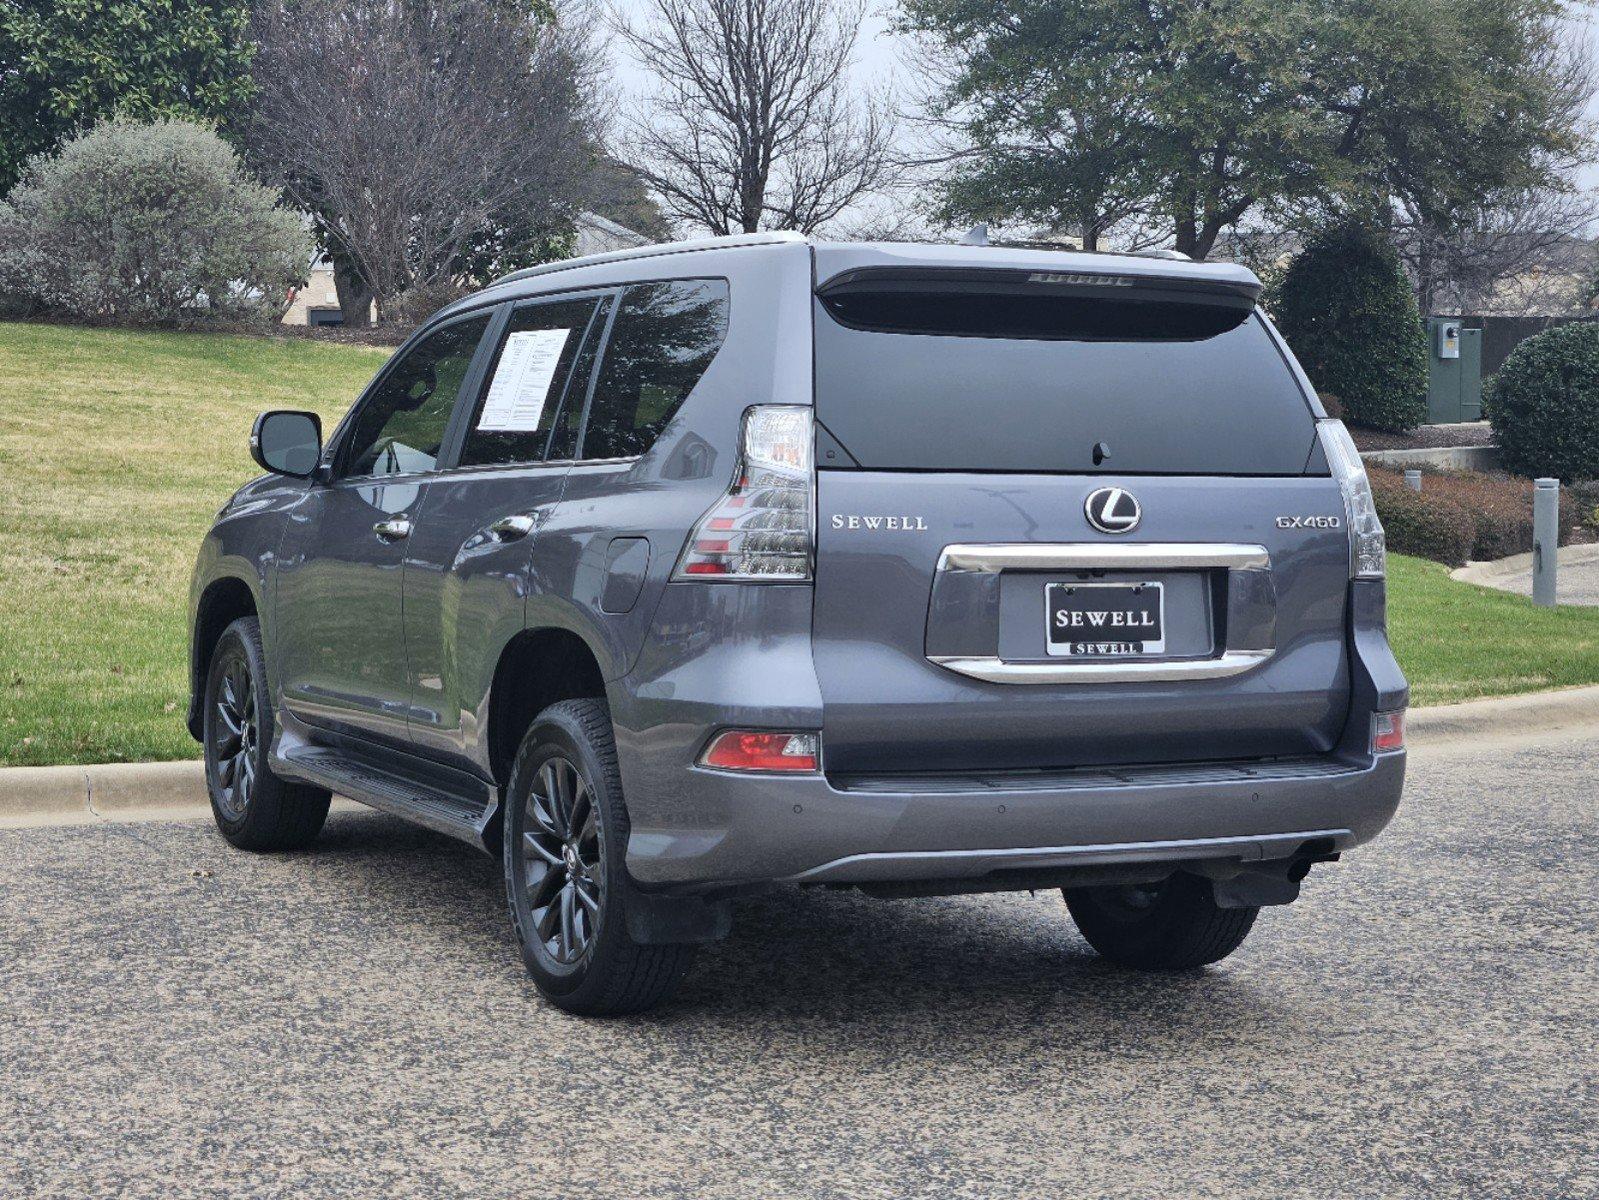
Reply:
x=1174 y=925
x=254 y=809
x=565 y=848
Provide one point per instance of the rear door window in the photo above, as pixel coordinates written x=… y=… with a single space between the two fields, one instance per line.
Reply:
x=662 y=340
x=536 y=368
x=1010 y=375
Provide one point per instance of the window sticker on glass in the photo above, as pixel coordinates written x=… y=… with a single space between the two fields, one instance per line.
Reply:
x=522 y=381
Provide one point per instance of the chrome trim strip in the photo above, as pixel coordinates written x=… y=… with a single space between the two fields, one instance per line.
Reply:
x=959 y=864
x=1099 y=556
x=997 y=670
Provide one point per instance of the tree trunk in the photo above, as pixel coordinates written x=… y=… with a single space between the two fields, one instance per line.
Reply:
x=1185 y=225
x=1091 y=231
x=355 y=297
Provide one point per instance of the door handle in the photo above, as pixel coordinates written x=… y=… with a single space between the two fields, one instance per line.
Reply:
x=394 y=529
x=509 y=529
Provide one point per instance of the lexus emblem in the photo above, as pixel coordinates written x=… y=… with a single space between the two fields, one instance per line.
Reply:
x=1112 y=510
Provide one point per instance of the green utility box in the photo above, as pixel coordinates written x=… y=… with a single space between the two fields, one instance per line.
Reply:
x=1454 y=372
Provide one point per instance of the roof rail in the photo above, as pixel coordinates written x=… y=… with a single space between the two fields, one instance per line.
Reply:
x=777 y=237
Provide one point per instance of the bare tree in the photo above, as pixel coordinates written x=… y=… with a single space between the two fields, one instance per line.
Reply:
x=431 y=140
x=1519 y=253
x=753 y=124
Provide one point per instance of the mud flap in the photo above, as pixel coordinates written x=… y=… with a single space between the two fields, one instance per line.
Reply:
x=1256 y=887
x=656 y=920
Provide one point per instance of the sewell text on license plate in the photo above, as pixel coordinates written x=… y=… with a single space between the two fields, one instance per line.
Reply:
x=1105 y=620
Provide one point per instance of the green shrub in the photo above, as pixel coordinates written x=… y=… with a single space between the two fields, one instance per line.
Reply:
x=1545 y=408
x=149 y=224
x=1348 y=311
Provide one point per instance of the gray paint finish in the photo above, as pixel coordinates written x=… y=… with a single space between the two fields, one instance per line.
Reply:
x=396 y=646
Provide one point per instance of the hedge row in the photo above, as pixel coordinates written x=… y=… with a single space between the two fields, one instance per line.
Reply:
x=1461 y=517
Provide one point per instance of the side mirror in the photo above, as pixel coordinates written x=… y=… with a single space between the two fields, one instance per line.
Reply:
x=287 y=443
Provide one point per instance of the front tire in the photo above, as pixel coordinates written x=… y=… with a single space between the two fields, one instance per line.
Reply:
x=1174 y=925
x=565 y=842
x=254 y=808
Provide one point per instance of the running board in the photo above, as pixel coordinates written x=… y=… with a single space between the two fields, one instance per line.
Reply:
x=460 y=810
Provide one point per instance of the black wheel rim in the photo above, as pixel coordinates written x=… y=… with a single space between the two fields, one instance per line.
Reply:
x=563 y=868
x=235 y=736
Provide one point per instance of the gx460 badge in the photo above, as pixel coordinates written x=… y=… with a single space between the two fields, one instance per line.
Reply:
x=1309 y=522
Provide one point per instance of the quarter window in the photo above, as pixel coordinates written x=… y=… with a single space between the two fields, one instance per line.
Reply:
x=532 y=373
x=664 y=337
x=400 y=429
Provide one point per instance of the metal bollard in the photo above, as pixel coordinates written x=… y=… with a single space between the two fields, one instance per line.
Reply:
x=1545 y=540
x=1413 y=480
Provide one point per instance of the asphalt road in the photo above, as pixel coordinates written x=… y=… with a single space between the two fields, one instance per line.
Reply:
x=179 y=1019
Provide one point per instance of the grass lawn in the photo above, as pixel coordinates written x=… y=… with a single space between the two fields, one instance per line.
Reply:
x=1458 y=642
x=116 y=449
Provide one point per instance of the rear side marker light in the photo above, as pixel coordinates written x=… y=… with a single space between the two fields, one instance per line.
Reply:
x=759 y=750
x=1387 y=732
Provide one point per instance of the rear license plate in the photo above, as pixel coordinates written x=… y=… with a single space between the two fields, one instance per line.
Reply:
x=1105 y=620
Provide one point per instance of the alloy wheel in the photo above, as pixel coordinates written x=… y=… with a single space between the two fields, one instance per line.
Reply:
x=236 y=734
x=562 y=864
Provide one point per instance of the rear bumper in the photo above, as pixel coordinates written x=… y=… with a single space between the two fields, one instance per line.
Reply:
x=757 y=829
x=753 y=668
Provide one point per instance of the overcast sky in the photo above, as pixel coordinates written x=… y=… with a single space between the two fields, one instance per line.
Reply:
x=878 y=57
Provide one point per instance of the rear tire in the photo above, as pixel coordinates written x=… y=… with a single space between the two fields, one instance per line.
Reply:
x=1174 y=925
x=565 y=849
x=254 y=809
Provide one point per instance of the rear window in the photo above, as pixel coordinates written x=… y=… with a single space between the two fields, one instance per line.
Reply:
x=1027 y=377
x=664 y=337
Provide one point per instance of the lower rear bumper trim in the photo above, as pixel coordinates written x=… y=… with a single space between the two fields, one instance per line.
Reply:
x=965 y=864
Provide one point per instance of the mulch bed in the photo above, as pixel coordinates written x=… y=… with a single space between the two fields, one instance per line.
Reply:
x=1426 y=437
x=386 y=337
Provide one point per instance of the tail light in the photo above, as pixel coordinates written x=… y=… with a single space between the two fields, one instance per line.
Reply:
x=1368 y=552
x=1387 y=732
x=762 y=750
x=762 y=529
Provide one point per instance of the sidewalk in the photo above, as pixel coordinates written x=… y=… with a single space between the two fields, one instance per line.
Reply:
x=1577 y=575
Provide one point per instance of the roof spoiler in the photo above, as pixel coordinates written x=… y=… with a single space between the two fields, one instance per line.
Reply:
x=1024 y=279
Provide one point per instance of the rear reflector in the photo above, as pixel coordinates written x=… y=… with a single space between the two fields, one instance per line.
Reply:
x=758 y=750
x=1387 y=732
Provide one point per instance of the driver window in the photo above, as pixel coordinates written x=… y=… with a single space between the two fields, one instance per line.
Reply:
x=401 y=428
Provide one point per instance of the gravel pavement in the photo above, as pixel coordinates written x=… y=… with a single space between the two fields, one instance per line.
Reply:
x=180 y=1019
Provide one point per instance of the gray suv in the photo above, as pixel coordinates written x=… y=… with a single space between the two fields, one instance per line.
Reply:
x=676 y=573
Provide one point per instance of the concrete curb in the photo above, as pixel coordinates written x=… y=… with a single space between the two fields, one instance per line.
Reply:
x=102 y=792
x=1502 y=717
x=1488 y=574
x=1439 y=458
x=175 y=790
